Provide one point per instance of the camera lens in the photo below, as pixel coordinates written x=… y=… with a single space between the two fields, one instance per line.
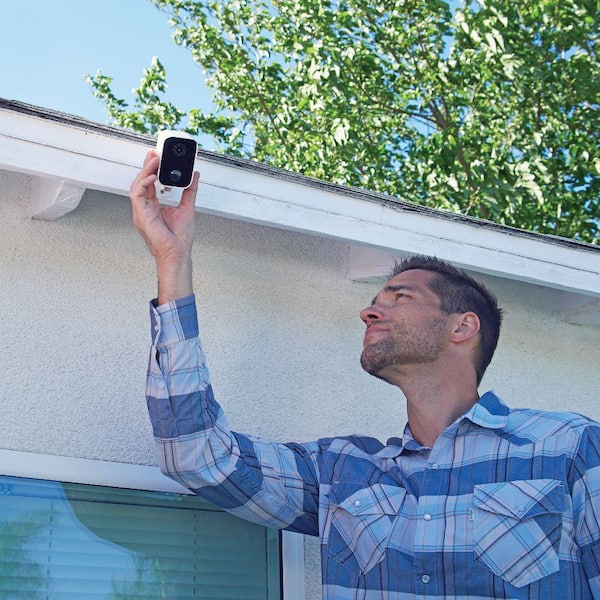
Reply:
x=179 y=149
x=177 y=161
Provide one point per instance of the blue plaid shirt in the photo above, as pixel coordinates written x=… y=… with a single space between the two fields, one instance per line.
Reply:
x=505 y=505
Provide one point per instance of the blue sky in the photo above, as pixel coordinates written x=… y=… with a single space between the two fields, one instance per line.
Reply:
x=48 y=45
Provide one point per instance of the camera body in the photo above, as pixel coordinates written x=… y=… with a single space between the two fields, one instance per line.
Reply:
x=177 y=152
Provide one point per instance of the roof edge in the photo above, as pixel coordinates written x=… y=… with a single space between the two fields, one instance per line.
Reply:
x=61 y=118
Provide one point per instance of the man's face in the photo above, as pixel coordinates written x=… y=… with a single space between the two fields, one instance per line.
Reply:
x=404 y=325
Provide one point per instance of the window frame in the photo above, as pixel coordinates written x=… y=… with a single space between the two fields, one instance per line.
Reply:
x=139 y=477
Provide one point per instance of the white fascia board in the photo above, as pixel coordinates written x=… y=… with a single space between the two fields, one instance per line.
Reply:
x=400 y=231
x=92 y=156
x=81 y=156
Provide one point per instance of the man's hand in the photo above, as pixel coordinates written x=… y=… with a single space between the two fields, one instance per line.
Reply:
x=168 y=230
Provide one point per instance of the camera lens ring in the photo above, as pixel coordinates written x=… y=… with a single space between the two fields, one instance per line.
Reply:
x=179 y=149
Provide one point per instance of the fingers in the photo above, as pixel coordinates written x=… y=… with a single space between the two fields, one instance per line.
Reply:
x=142 y=187
x=143 y=196
x=188 y=197
x=144 y=203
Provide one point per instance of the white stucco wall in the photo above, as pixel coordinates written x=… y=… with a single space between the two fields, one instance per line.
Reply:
x=279 y=319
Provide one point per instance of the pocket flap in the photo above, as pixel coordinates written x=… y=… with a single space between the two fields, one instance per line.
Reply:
x=521 y=499
x=375 y=500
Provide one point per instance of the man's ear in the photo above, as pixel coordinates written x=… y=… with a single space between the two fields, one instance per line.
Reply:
x=466 y=326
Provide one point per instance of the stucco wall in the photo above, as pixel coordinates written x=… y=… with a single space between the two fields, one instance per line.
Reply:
x=279 y=320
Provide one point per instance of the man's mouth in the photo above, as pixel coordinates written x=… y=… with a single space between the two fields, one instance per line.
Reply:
x=374 y=330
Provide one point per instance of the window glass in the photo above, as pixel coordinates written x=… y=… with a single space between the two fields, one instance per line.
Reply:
x=62 y=541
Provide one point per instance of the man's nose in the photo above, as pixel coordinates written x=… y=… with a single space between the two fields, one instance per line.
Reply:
x=370 y=314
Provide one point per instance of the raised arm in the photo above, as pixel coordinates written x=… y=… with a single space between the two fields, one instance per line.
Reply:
x=268 y=483
x=168 y=231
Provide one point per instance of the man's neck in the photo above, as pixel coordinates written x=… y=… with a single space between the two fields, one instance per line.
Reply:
x=434 y=405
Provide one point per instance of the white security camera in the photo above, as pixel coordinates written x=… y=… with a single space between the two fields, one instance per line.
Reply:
x=177 y=153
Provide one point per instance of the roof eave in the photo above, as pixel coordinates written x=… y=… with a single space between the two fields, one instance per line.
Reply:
x=67 y=155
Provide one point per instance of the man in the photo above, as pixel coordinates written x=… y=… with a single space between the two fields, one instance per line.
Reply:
x=473 y=501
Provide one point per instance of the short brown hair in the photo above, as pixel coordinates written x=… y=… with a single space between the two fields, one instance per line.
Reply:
x=458 y=293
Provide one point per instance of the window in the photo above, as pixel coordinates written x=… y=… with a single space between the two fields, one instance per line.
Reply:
x=86 y=539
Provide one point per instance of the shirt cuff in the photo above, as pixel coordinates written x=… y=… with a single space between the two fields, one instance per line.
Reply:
x=173 y=322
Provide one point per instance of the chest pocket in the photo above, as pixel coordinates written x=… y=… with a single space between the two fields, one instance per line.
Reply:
x=361 y=523
x=517 y=528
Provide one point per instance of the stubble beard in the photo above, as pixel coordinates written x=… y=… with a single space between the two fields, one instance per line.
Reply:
x=404 y=346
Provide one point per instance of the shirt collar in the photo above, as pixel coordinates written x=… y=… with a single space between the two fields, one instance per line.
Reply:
x=489 y=412
x=407 y=443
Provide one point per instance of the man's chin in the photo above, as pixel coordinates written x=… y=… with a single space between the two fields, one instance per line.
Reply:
x=373 y=365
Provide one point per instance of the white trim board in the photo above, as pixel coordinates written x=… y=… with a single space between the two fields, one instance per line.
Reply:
x=88 y=156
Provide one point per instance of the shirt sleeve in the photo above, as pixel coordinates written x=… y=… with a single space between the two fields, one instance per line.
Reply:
x=585 y=485
x=268 y=483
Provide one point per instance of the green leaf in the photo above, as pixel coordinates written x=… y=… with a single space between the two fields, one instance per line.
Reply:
x=489 y=109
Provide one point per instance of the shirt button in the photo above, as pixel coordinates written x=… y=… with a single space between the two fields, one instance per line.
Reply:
x=157 y=328
x=427 y=517
x=357 y=503
x=425 y=578
x=435 y=466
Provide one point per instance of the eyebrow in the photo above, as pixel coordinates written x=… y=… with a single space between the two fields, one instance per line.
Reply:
x=392 y=289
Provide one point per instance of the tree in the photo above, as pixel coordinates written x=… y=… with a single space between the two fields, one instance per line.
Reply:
x=489 y=109
x=21 y=576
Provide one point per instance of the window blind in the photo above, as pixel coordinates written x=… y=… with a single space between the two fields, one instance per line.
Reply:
x=72 y=541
